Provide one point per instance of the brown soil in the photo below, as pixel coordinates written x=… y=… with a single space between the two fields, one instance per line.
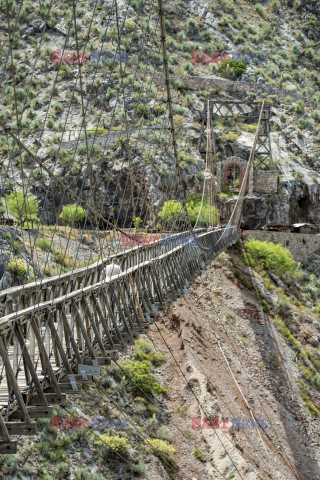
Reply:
x=220 y=315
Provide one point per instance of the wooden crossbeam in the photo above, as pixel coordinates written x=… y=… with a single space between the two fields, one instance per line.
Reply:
x=21 y=428
x=34 y=412
x=8 y=448
x=52 y=399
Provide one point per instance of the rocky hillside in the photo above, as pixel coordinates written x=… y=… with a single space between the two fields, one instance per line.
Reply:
x=284 y=34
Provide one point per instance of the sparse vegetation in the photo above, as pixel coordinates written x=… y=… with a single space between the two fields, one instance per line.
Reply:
x=164 y=451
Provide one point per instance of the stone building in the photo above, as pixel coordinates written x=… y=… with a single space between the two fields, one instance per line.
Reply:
x=230 y=173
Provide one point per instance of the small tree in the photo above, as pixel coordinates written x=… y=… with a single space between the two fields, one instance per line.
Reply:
x=171 y=211
x=137 y=222
x=73 y=213
x=209 y=214
x=270 y=256
x=20 y=205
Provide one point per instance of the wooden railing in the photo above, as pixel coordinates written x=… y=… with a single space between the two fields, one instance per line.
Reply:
x=17 y=298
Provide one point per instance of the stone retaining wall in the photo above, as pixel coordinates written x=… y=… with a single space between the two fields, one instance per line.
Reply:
x=265 y=181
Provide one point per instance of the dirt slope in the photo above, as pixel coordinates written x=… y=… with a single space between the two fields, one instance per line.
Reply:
x=221 y=315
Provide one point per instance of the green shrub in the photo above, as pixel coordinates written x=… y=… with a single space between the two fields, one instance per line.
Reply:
x=135 y=4
x=283 y=308
x=9 y=465
x=144 y=352
x=14 y=243
x=274 y=5
x=191 y=28
x=299 y=107
x=232 y=68
x=156 y=58
x=113 y=444
x=316 y=115
x=312 y=287
x=57 y=107
x=62 y=470
x=20 y=205
x=199 y=456
x=161 y=447
x=265 y=306
x=63 y=259
x=137 y=87
x=188 y=67
x=143 y=110
x=227 y=6
x=284 y=330
x=44 y=245
x=85 y=474
x=137 y=222
x=179 y=85
x=36 y=103
x=173 y=60
x=229 y=136
x=209 y=214
x=317 y=308
x=18 y=268
x=179 y=112
x=159 y=110
x=5 y=115
x=16 y=247
x=316 y=380
x=164 y=451
x=306 y=398
x=73 y=213
x=139 y=378
x=82 y=474
x=129 y=25
x=172 y=210
x=271 y=256
x=312 y=409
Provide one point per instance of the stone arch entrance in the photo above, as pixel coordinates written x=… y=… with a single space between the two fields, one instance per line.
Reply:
x=233 y=175
x=230 y=173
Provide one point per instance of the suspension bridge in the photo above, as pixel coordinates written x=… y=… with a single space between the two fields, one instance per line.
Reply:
x=57 y=331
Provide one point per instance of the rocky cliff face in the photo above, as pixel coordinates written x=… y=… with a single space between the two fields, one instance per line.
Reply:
x=284 y=34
